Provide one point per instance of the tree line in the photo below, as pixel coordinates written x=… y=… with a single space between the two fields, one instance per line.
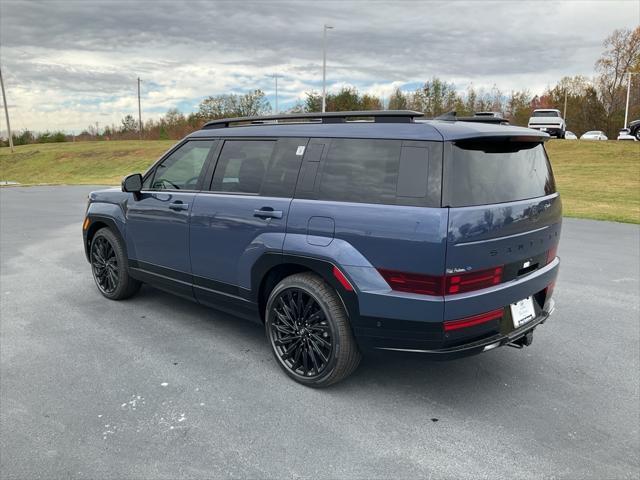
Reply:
x=596 y=103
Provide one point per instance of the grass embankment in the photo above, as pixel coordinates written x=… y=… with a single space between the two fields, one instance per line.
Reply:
x=599 y=180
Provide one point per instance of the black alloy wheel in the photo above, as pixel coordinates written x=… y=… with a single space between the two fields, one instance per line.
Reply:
x=300 y=333
x=109 y=266
x=309 y=331
x=105 y=265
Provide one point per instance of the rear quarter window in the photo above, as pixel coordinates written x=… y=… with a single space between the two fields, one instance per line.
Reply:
x=488 y=172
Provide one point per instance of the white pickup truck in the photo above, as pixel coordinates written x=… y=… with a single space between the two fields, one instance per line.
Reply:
x=548 y=120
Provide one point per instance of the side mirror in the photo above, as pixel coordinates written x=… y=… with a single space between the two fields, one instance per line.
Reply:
x=132 y=183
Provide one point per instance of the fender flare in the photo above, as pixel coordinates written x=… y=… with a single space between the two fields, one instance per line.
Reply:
x=321 y=267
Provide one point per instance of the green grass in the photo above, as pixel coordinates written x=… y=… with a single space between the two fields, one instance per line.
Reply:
x=599 y=180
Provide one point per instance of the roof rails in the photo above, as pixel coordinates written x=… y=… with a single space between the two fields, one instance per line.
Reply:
x=453 y=117
x=379 y=116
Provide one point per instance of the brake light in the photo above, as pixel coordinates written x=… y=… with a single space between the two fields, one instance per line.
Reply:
x=467 y=282
x=413 y=282
x=552 y=253
x=473 y=320
x=441 y=285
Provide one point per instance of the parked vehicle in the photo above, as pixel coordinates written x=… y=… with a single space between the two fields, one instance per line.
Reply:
x=634 y=129
x=548 y=120
x=625 y=134
x=594 y=135
x=568 y=135
x=437 y=237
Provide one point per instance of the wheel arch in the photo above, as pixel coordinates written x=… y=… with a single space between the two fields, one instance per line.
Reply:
x=97 y=222
x=270 y=269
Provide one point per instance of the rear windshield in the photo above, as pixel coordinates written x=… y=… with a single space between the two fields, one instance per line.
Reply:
x=545 y=114
x=480 y=173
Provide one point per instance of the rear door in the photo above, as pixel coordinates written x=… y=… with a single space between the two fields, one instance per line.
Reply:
x=244 y=213
x=504 y=224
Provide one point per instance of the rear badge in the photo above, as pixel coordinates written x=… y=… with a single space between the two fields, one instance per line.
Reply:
x=526 y=264
x=300 y=150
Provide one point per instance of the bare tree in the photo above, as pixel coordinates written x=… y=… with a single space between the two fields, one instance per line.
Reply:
x=621 y=55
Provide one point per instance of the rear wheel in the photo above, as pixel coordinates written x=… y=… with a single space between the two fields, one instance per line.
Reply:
x=109 y=266
x=637 y=133
x=309 y=331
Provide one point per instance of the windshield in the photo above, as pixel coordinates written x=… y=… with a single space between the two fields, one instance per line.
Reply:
x=486 y=172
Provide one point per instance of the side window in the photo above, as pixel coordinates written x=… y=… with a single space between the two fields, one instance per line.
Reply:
x=181 y=170
x=265 y=167
x=361 y=171
x=390 y=172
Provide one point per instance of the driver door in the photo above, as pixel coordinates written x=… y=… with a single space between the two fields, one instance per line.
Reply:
x=157 y=221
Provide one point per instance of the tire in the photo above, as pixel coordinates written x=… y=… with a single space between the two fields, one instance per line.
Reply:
x=109 y=266
x=561 y=134
x=637 y=134
x=303 y=315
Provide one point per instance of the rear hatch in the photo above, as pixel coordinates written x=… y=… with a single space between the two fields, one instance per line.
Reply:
x=503 y=230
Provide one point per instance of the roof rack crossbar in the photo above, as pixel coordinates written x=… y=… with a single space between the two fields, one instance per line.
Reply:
x=379 y=116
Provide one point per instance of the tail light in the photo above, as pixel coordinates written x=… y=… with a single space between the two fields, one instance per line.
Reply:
x=551 y=254
x=413 y=282
x=442 y=285
x=473 y=320
x=467 y=282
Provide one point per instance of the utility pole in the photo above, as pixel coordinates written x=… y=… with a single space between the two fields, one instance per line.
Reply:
x=564 y=113
x=324 y=66
x=6 y=113
x=139 y=111
x=275 y=76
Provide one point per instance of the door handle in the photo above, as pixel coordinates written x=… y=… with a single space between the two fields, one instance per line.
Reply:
x=267 y=212
x=178 y=205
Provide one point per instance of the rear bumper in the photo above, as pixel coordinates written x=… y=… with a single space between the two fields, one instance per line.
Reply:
x=483 y=345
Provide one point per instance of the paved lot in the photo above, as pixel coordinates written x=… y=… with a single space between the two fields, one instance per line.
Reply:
x=158 y=387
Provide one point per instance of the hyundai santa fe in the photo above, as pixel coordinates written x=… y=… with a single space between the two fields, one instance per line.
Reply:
x=343 y=232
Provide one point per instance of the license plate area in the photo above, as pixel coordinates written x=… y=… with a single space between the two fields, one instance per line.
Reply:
x=522 y=312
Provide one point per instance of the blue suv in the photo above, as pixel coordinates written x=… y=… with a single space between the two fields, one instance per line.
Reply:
x=342 y=232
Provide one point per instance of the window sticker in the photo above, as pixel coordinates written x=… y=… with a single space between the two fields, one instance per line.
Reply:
x=300 y=150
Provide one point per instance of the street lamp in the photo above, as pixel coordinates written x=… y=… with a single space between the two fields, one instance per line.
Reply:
x=324 y=66
x=626 y=109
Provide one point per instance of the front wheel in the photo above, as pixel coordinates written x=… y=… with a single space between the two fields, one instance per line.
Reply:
x=109 y=266
x=309 y=331
x=637 y=134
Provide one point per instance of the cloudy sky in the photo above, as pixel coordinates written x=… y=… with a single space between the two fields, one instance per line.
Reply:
x=68 y=64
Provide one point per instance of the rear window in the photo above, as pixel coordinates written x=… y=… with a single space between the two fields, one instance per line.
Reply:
x=480 y=173
x=546 y=114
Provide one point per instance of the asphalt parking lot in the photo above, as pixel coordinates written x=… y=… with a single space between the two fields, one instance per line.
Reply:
x=158 y=387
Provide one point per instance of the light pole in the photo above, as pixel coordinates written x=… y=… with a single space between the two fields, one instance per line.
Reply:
x=626 y=109
x=324 y=66
x=139 y=112
x=275 y=76
x=6 y=113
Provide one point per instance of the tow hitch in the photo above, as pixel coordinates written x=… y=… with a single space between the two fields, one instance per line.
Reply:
x=523 y=341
